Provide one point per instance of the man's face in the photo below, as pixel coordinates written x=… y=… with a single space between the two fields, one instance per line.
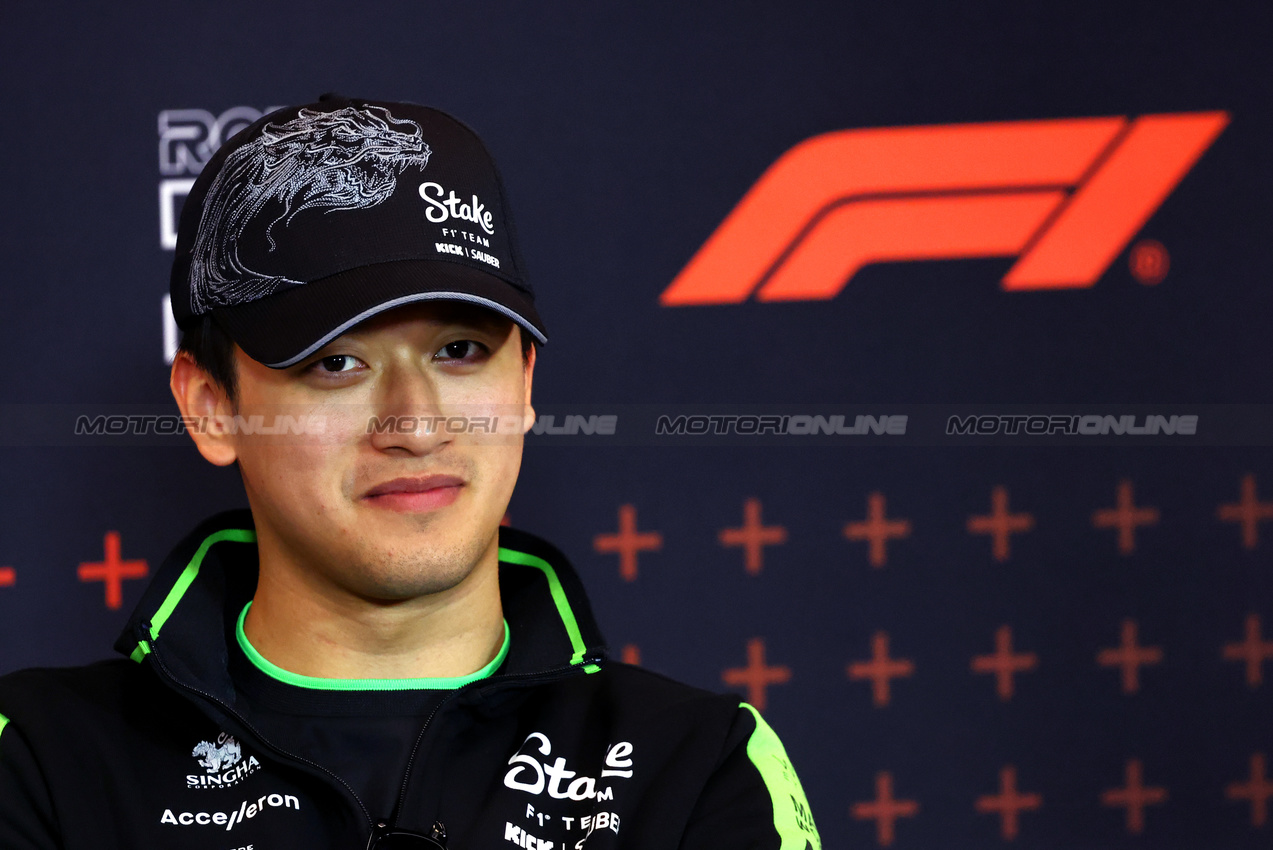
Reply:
x=388 y=503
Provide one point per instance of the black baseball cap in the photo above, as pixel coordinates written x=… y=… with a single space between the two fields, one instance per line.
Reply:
x=317 y=217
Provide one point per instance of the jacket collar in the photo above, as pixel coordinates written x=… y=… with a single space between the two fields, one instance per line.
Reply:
x=189 y=611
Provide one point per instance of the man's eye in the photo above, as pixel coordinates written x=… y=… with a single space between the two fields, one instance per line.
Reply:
x=463 y=349
x=338 y=363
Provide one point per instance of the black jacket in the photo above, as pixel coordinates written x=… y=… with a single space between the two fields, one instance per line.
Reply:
x=560 y=748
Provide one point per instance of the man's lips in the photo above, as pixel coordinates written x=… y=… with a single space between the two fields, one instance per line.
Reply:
x=415 y=494
x=415 y=485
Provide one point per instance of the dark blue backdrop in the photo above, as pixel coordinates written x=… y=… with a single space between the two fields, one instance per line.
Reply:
x=626 y=133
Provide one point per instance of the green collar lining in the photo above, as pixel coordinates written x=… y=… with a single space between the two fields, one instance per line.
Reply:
x=322 y=684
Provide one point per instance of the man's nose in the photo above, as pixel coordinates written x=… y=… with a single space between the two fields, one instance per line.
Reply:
x=407 y=416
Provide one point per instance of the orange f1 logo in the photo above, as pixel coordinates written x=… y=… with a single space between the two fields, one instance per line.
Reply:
x=1065 y=196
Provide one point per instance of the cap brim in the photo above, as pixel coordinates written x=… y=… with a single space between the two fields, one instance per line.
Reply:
x=282 y=329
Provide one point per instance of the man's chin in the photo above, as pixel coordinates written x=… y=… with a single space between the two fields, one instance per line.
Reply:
x=395 y=582
x=429 y=563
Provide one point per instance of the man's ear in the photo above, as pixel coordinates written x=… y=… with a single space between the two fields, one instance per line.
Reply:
x=205 y=408
x=528 y=415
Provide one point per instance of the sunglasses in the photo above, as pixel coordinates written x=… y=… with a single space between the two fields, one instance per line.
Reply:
x=385 y=837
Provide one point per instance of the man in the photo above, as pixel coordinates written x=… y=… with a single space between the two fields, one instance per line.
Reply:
x=367 y=658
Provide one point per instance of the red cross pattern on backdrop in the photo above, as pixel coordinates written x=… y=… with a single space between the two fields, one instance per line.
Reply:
x=628 y=542
x=112 y=570
x=877 y=530
x=1254 y=651
x=1126 y=517
x=1130 y=657
x=1004 y=663
x=1134 y=796
x=757 y=676
x=8 y=577
x=881 y=670
x=753 y=536
x=1000 y=524
x=1009 y=803
x=1256 y=790
x=1248 y=510
x=884 y=809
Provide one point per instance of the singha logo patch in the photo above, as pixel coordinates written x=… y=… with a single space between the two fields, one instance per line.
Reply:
x=348 y=159
x=226 y=752
x=223 y=760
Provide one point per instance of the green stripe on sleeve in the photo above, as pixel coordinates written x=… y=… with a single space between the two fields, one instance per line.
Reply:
x=512 y=556
x=4 y=721
x=793 y=819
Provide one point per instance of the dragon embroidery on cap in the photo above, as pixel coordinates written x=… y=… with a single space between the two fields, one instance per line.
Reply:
x=348 y=159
